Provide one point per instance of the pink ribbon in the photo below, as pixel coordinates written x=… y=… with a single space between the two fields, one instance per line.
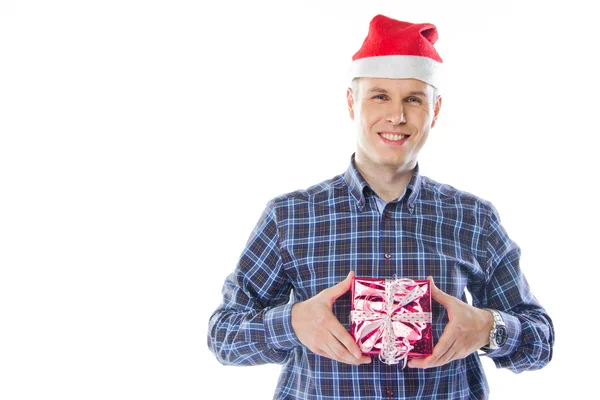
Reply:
x=389 y=323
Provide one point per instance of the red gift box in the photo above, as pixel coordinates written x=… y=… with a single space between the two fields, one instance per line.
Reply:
x=392 y=318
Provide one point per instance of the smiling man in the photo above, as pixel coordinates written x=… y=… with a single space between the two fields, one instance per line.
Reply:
x=287 y=300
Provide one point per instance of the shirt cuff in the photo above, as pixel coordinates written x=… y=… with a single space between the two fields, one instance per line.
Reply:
x=513 y=328
x=278 y=328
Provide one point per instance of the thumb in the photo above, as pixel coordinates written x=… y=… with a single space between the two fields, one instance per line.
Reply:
x=336 y=291
x=438 y=295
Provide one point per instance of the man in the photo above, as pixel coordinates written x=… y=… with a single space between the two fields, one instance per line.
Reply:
x=287 y=301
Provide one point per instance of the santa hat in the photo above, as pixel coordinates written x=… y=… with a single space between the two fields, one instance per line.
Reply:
x=397 y=49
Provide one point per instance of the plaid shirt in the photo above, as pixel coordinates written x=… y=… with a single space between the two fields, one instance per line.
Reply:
x=309 y=240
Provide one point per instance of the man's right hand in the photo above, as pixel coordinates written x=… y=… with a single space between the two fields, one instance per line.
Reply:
x=318 y=329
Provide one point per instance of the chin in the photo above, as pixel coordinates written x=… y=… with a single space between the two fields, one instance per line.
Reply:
x=392 y=162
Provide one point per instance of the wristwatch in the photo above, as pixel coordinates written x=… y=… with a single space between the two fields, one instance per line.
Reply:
x=499 y=333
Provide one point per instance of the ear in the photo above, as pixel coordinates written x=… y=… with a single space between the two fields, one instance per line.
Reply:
x=350 y=99
x=436 y=111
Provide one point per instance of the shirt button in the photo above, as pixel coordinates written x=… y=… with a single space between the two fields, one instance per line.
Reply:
x=387 y=256
x=389 y=393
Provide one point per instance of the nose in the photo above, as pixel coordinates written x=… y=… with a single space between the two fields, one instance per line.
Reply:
x=396 y=117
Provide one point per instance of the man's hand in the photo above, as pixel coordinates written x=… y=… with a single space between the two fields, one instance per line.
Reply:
x=467 y=331
x=319 y=330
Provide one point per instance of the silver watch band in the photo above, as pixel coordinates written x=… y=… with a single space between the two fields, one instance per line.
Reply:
x=498 y=332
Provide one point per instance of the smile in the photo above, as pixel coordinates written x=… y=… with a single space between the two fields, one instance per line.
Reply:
x=393 y=139
x=392 y=136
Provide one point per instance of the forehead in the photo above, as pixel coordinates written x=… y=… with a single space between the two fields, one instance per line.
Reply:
x=394 y=85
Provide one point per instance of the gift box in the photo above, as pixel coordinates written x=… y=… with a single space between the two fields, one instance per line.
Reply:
x=392 y=318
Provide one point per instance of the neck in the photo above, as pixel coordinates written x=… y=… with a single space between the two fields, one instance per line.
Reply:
x=389 y=182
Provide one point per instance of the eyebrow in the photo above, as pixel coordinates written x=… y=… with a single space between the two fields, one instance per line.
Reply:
x=376 y=89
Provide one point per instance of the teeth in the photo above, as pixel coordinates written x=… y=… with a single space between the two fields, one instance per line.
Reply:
x=390 y=136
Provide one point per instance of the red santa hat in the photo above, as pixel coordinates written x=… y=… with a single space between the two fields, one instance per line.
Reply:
x=398 y=49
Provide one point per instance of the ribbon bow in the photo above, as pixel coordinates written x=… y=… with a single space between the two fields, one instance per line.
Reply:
x=395 y=298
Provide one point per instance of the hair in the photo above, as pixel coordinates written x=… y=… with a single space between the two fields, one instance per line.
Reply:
x=354 y=87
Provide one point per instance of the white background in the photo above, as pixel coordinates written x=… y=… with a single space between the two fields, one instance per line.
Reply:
x=140 y=141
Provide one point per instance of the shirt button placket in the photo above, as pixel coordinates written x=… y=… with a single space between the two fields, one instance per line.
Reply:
x=389 y=393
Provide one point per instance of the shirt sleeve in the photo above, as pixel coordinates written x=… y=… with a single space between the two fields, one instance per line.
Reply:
x=530 y=329
x=253 y=324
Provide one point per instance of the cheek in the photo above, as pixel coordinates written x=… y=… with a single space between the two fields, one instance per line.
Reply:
x=373 y=116
x=421 y=114
x=419 y=120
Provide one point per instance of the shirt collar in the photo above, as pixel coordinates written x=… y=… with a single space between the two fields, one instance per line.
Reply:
x=357 y=184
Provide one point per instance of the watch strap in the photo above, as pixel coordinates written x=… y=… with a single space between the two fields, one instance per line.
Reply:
x=498 y=321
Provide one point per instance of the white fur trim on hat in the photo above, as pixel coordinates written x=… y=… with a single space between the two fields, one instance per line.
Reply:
x=397 y=67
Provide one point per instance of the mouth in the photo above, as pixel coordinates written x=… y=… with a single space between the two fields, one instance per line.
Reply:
x=394 y=139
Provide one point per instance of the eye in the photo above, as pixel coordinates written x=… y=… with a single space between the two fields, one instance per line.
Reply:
x=380 y=97
x=413 y=99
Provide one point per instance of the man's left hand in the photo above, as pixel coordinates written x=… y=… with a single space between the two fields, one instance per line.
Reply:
x=467 y=331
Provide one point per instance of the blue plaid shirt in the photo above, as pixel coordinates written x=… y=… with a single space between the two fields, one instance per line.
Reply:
x=309 y=240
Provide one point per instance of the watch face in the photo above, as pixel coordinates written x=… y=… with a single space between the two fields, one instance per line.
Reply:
x=501 y=335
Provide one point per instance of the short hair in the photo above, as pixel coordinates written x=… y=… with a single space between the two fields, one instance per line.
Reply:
x=354 y=87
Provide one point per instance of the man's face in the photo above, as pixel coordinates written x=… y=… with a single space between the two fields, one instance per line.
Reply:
x=382 y=110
